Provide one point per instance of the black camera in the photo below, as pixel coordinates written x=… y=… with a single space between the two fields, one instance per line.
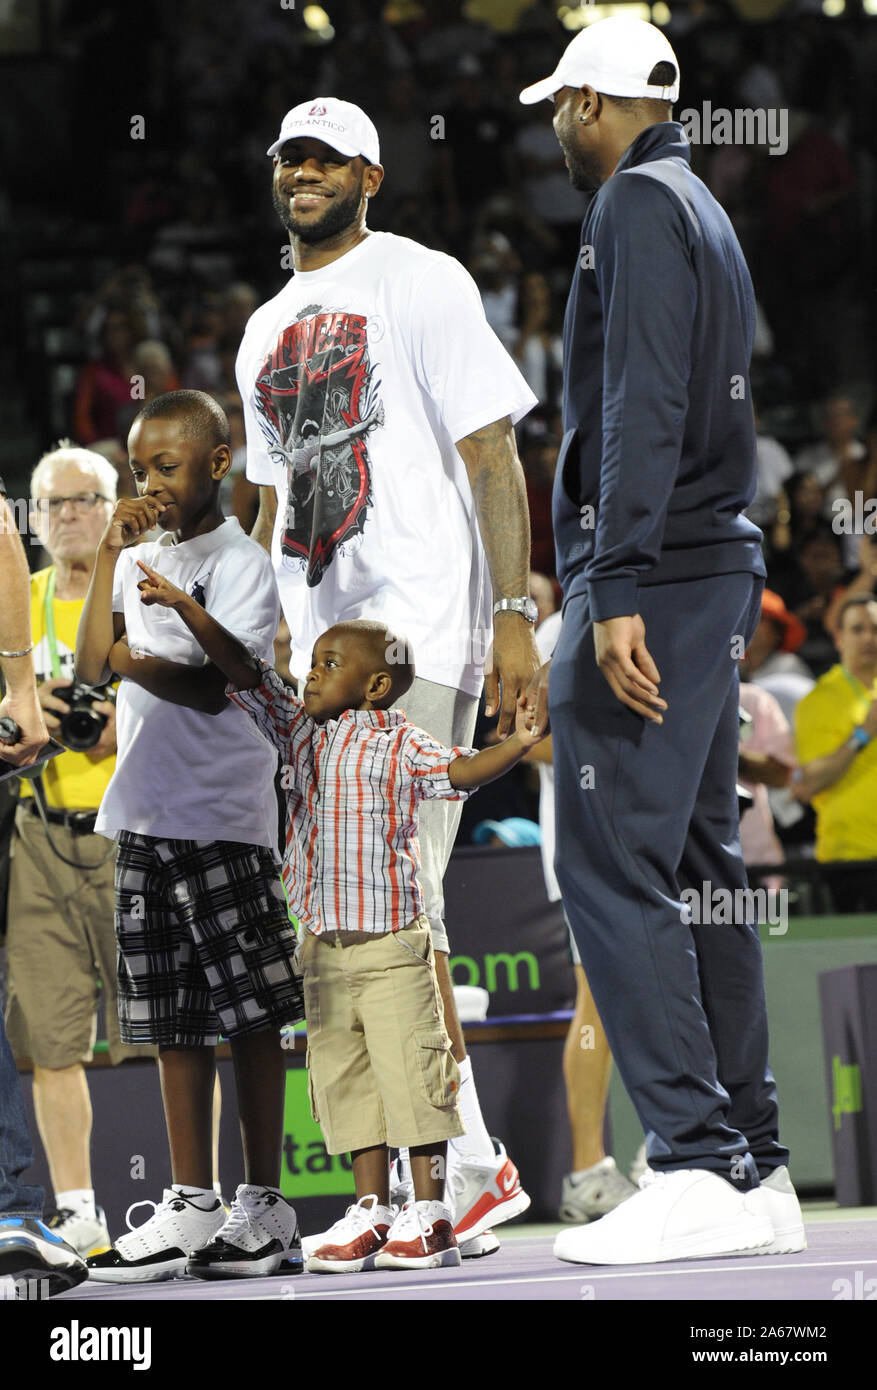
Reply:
x=83 y=725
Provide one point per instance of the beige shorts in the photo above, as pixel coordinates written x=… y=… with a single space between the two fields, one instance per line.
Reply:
x=61 y=947
x=380 y=1069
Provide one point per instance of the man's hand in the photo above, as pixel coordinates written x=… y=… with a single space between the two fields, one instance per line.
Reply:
x=625 y=662
x=106 y=744
x=156 y=589
x=132 y=517
x=512 y=662
x=24 y=708
x=52 y=705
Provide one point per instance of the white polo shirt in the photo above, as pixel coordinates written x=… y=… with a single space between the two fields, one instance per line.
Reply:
x=181 y=774
x=357 y=380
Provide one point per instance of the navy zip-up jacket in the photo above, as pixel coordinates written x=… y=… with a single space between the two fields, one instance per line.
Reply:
x=658 y=456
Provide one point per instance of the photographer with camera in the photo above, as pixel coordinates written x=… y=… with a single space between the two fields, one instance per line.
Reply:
x=836 y=732
x=61 y=940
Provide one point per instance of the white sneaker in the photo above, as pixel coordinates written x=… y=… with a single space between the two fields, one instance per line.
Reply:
x=779 y=1202
x=593 y=1192
x=353 y=1243
x=483 y=1192
x=688 y=1214
x=258 y=1237
x=159 y=1249
x=421 y=1237
x=87 y=1234
x=479 y=1246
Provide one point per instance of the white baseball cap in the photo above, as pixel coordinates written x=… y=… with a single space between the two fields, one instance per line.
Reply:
x=614 y=56
x=337 y=123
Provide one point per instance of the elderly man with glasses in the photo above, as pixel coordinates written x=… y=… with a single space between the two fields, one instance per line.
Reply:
x=61 y=942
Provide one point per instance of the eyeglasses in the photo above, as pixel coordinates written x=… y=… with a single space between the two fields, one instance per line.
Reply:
x=79 y=501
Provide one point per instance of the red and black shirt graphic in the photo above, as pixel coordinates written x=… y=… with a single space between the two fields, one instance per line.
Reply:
x=317 y=402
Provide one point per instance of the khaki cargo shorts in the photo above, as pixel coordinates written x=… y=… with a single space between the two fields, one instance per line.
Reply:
x=61 y=947
x=380 y=1069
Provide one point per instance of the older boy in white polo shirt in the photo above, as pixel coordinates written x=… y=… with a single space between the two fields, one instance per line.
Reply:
x=205 y=940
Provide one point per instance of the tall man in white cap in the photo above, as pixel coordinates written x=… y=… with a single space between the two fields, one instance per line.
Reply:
x=656 y=466
x=379 y=409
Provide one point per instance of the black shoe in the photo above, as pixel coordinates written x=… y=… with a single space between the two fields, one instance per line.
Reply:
x=38 y=1260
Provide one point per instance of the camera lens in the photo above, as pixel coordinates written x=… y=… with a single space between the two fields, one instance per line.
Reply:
x=81 y=729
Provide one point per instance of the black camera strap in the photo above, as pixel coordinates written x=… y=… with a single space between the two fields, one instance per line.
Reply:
x=39 y=793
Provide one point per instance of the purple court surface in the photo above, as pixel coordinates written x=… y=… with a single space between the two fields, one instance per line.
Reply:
x=839 y=1264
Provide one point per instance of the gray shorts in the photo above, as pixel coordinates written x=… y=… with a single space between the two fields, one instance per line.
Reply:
x=449 y=715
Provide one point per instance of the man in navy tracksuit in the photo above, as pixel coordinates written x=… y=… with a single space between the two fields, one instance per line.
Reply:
x=662 y=578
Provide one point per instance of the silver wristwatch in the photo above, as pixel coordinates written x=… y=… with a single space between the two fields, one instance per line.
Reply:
x=525 y=606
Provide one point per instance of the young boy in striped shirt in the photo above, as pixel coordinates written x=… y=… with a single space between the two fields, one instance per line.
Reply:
x=381 y=1073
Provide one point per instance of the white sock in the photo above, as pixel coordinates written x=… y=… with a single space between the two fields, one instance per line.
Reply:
x=476 y=1142
x=198 y=1196
x=79 y=1200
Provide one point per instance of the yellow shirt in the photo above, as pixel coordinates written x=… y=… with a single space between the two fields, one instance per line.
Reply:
x=72 y=781
x=846 y=813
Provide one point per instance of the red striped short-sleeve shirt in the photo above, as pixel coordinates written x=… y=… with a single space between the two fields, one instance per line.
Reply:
x=352 y=787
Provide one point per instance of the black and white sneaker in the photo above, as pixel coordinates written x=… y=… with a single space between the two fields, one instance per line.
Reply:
x=260 y=1236
x=160 y=1248
x=35 y=1262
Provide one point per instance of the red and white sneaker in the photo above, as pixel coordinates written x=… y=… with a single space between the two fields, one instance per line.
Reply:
x=353 y=1243
x=402 y=1191
x=484 y=1193
x=421 y=1237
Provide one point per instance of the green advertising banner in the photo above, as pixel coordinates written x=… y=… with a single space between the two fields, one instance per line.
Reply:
x=308 y=1170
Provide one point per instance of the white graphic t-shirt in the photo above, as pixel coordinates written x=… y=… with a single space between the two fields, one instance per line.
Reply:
x=357 y=380
x=547 y=634
x=181 y=774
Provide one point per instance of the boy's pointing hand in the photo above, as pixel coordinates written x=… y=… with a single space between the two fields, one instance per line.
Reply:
x=156 y=589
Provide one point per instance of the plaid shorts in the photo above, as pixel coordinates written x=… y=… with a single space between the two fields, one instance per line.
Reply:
x=205 y=941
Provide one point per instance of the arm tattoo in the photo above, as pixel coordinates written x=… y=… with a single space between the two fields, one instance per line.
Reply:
x=497 y=481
